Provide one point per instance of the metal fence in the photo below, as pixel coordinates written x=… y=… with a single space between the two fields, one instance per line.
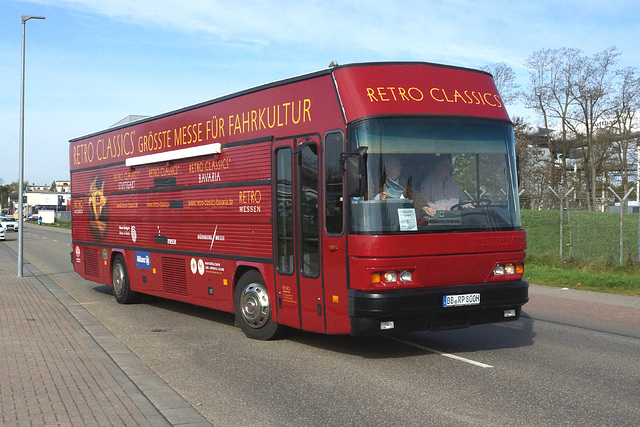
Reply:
x=63 y=216
x=577 y=234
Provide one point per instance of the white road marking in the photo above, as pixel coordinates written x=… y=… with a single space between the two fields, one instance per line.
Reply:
x=441 y=353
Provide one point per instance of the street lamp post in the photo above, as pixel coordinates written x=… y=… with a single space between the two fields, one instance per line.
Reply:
x=25 y=18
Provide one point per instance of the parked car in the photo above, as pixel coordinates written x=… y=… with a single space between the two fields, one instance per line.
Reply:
x=9 y=222
x=3 y=233
x=32 y=218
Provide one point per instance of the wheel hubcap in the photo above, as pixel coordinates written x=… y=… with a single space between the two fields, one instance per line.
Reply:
x=255 y=305
x=118 y=278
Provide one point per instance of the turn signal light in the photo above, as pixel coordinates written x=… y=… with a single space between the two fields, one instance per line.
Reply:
x=506 y=269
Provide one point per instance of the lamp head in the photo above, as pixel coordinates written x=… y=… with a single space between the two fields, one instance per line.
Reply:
x=25 y=18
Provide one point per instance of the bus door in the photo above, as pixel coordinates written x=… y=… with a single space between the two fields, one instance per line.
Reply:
x=299 y=293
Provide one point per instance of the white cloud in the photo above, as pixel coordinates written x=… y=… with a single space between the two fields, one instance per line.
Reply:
x=403 y=29
x=92 y=62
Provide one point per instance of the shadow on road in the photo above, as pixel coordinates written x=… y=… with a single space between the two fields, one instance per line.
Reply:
x=476 y=338
x=514 y=334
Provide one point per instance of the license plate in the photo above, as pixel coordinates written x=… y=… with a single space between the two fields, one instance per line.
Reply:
x=460 y=300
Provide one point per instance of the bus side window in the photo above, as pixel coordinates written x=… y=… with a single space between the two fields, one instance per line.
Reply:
x=284 y=211
x=309 y=214
x=334 y=207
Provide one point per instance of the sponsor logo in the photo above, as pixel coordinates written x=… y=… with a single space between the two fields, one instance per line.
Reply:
x=143 y=260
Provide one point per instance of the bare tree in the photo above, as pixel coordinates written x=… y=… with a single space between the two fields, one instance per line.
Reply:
x=534 y=165
x=551 y=94
x=592 y=90
x=543 y=66
x=625 y=137
x=505 y=80
x=574 y=94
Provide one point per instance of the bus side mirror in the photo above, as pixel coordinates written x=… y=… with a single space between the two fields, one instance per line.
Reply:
x=355 y=165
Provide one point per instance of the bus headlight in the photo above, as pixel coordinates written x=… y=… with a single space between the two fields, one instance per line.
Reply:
x=509 y=269
x=391 y=276
x=406 y=276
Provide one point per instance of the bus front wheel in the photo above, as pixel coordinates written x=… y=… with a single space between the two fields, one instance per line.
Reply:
x=120 y=281
x=253 y=307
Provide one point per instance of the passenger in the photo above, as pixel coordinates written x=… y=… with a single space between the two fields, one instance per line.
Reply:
x=440 y=190
x=394 y=186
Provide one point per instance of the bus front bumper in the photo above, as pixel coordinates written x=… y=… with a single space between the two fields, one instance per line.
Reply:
x=374 y=313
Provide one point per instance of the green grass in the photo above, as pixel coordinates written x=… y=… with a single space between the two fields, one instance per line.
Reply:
x=66 y=225
x=591 y=251
x=625 y=281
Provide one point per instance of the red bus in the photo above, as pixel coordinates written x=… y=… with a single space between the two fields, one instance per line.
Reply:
x=361 y=199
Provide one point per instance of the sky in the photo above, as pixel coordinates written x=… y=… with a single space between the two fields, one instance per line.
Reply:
x=91 y=63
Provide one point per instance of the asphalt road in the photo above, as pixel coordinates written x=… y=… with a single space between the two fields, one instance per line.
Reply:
x=572 y=359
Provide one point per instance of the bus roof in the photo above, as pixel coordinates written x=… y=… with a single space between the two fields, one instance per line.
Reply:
x=380 y=89
x=375 y=88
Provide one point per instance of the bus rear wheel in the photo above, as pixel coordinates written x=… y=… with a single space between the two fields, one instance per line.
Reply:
x=253 y=307
x=120 y=281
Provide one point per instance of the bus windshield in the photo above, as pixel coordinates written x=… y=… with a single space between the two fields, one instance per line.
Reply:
x=435 y=175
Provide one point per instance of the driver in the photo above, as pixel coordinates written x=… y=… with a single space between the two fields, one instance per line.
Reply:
x=440 y=190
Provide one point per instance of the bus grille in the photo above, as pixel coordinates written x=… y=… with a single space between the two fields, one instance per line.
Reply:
x=450 y=322
x=174 y=276
x=91 y=267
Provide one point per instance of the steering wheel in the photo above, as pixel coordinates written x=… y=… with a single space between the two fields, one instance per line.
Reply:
x=474 y=202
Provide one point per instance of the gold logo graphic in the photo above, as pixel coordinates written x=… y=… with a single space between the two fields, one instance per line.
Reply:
x=97 y=208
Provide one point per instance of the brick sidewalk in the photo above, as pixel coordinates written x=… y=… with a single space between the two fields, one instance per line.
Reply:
x=60 y=367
